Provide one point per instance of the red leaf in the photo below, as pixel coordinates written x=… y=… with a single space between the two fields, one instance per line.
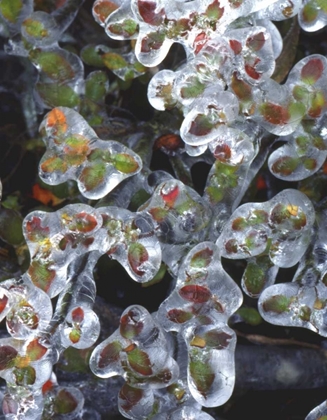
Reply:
x=3 y=303
x=194 y=293
x=312 y=71
x=251 y=69
x=78 y=315
x=236 y=46
x=130 y=324
x=139 y=361
x=147 y=10
x=171 y=196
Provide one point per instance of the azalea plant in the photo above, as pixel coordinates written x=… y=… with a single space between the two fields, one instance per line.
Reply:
x=226 y=92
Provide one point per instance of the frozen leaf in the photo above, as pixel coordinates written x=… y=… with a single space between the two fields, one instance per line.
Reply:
x=140 y=362
x=8 y=355
x=35 y=350
x=109 y=354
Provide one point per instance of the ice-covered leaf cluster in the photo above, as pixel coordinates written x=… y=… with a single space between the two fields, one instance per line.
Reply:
x=229 y=109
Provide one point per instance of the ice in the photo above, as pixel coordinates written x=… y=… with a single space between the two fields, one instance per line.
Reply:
x=301 y=303
x=140 y=352
x=179 y=214
x=75 y=152
x=198 y=309
x=312 y=16
x=318 y=412
x=271 y=227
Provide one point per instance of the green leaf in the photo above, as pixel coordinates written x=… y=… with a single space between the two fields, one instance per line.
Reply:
x=277 y=304
x=35 y=28
x=193 y=89
x=11 y=9
x=250 y=315
x=96 y=86
x=52 y=164
x=54 y=65
x=25 y=376
x=254 y=278
x=93 y=176
x=92 y=56
x=125 y=163
x=139 y=361
x=202 y=374
x=11 y=227
x=114 y=61
x=55 y=95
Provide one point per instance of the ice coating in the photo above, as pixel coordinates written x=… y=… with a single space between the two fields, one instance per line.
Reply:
x=302 y=302
x=178 y=212
x=158 y=24
x=56 y=239
x=313 y=15
x=75 y=152
x=318 y=412
x=270 y=227
x=35 y=34
x=141 y=352
x=199 y=309
x=305 y=151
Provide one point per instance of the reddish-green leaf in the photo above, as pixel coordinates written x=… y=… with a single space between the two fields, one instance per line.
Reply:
x=137 y=255
x=217 y=339
x=35 y=350
x=7 y=357
x=275 y=114
x=312 y=71
x=35 y=231
x=65 y=402
x=41 y=274
x=179 y=316
x=202 y=375
x=109 y=354
x=285 y=165
x=93 y=176
x=25 y=375
x=130 y=396
x=256 y=42
x=201 y=259
x=140 y=362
